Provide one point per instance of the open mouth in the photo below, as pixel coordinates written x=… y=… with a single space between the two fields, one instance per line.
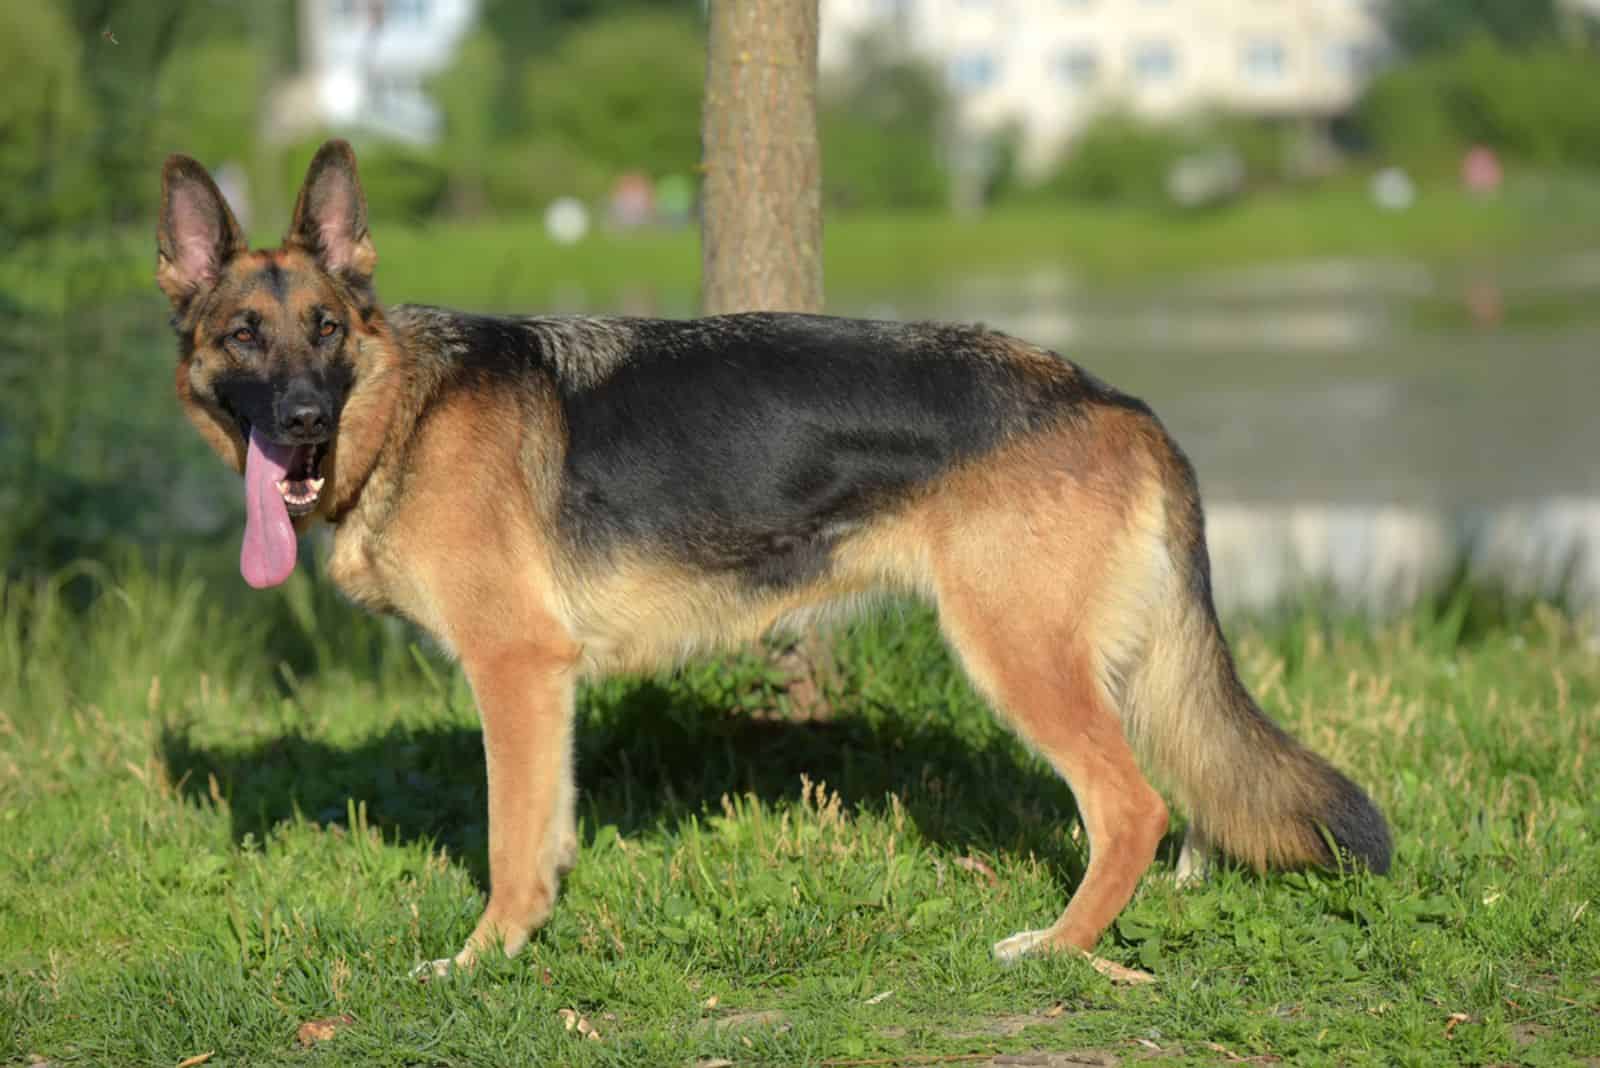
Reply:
x=301 y=467
x=282 y=482
x=302 y=485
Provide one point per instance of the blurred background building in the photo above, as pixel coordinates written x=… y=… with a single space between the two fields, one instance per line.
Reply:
x=1051 y=66
x=364 y=66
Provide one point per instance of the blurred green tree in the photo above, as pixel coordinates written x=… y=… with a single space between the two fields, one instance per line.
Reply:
x=1421 y=27
x=45 y=115
x=466 y=94
x=207 y=98
x=529 y=31
x=882 y=133
x=126 y=44
x=623 y=92
x=1525 y=103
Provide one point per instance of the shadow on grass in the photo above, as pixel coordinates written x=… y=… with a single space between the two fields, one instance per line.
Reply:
x=650 y=758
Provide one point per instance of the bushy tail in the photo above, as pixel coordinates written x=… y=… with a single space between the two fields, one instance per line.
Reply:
x=1251 y=789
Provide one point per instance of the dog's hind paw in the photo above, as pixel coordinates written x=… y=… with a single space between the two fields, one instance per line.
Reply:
x=1022 y=943
x=1195 y=860
x=1018 y=945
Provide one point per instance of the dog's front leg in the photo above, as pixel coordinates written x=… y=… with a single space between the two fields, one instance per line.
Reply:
x=524 y=696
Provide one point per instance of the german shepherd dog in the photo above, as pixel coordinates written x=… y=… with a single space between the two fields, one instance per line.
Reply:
x=555 y=498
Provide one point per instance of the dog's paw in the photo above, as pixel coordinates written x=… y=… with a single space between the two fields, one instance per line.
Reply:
x=1009 y=950
x=433 y=969
x=438 y=969
x=1018 y=945
x=1195 y=861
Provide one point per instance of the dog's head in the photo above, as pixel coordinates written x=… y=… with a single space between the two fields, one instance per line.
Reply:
x=273 y=343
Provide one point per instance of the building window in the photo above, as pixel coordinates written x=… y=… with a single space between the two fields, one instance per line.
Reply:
x=974 y=71
x=1264 y=60
x=1348 y=59
x=405 y=10
x=1077 y=66
x=392 y=11
x=1155 y=61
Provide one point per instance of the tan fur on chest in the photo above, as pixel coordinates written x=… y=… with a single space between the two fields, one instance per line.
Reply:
x=464 y=551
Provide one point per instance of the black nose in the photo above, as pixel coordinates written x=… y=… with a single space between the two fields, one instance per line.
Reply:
x=305 y=415
x=310 y=420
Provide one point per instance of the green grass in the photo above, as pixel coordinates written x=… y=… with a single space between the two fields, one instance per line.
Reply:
x=224 y=814
x=510 y=264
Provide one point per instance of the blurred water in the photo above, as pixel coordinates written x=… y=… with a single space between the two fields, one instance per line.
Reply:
x=1365 y=426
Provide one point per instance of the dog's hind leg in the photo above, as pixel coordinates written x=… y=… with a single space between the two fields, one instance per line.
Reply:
x=1036 y=576
x=1056 y=706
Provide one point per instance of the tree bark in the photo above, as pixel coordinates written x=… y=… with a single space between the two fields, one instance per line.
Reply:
x=761 y=207
x=761 y=212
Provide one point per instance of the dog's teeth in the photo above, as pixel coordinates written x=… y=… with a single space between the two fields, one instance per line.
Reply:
x=283 y=486
x=315 y=484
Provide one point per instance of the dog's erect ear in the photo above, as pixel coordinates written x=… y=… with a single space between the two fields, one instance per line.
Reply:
x=330 y=217
x=197 y=233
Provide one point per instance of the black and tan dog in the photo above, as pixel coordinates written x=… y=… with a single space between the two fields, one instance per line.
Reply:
x=560 y=497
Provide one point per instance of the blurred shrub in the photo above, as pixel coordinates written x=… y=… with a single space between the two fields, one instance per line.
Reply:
x=622 y=92
x=44 y=117
x=489 y=171
x=1265 y=147
x=881 y=129
x=207 y=96
x=1123 y=159
x=1403 y=116
x=1424 y=27
x=523 y=178
x=1119 y=159
x=1535 y=105
x=466 y=94
x=402 y=182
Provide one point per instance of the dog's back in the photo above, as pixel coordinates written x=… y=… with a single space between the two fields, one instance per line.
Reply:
x=751 y=445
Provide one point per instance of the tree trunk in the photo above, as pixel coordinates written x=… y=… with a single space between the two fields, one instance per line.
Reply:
x=761 y=207
x=761 y=214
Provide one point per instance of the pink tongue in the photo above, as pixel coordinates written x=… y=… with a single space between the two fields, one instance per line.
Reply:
x=269 y=549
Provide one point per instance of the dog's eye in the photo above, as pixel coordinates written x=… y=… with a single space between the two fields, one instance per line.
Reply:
x=244 y=335
x=328 y=329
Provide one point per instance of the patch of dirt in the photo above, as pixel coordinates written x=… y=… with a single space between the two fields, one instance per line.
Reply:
x=1009 y=1024
x=1004 y=1026
x=1055 y=1059
x=762 y=1019
x=1526 y=1034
